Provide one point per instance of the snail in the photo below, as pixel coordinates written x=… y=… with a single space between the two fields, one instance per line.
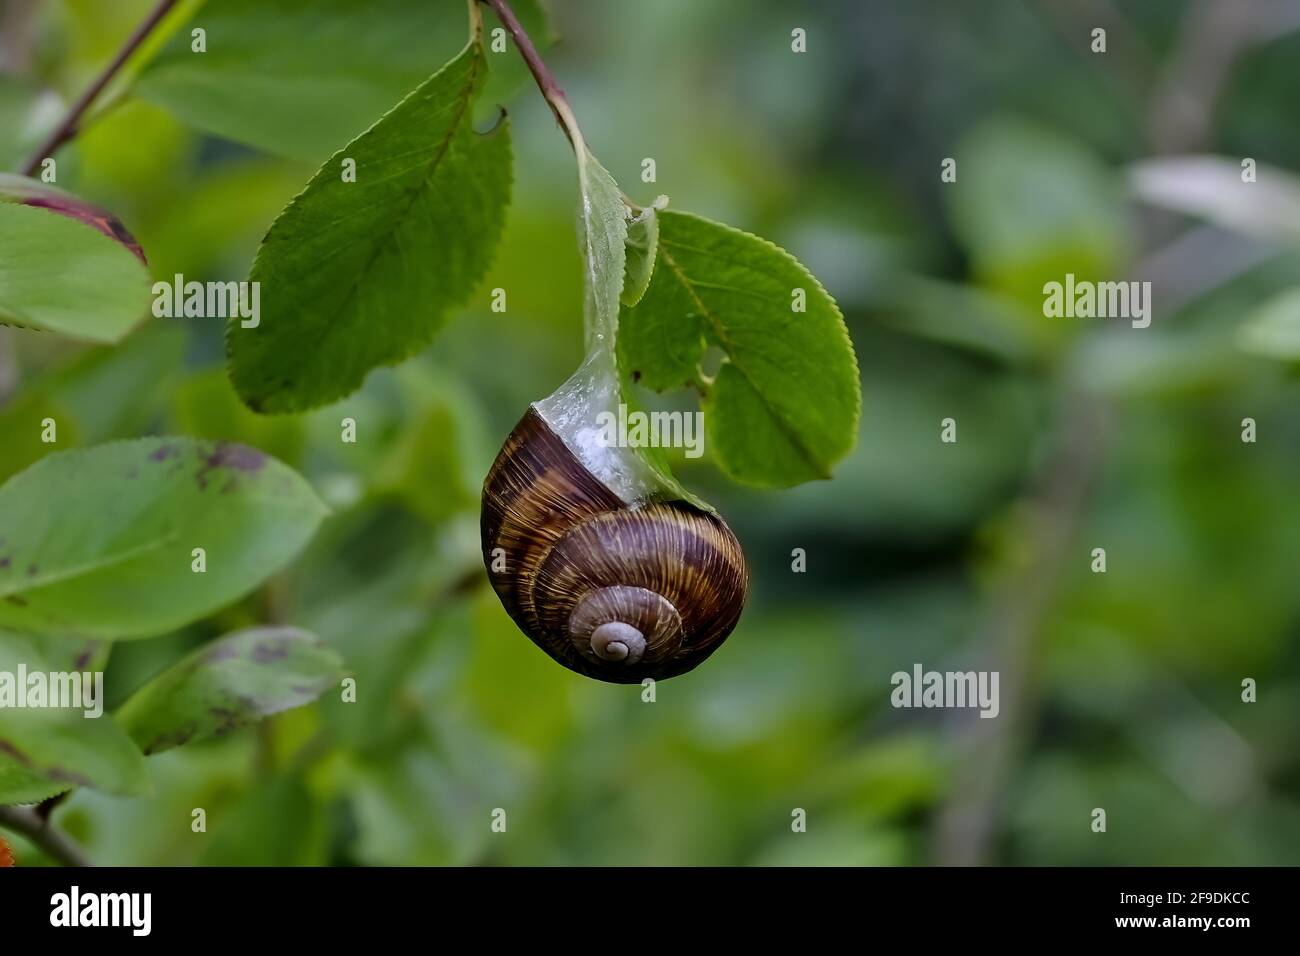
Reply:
x=615 y=585
x=599 y=556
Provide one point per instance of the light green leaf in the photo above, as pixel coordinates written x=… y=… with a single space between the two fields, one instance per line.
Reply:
x=962 y=316
x=44 y=752
x=99 y=542
x=642 y=244
x=604 y=241
x=1211 y=187
x=1030 y=205
x=1274 y=329
x=357 y=275
x=24 y=191
x=50 y=652
x=61 y=275
x=300 y=78
x=784 y=406
x=229 y=684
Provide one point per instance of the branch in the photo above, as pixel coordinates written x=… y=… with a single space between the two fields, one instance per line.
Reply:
x=989 y=750
x=45 y=835
x=67 y=127
x=545 y=80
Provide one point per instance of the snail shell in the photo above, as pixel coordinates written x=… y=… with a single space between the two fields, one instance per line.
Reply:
x=614 y=590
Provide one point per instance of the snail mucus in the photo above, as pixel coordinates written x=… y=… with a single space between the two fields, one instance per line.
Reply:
x=599 y=556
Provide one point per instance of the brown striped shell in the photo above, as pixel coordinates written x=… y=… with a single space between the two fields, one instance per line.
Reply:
x=612 y=590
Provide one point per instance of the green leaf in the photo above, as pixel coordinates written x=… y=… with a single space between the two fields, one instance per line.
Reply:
x=357 y=275
x=118 y=391
x=277 y=822
x=99 y=394
x=61 y=275
x=99 y=542
x=1274 y=329
x=642 y=244
x=435 y=465
x=1030 y=205
x=29 y=192
x=785 y=403
x=204 y=405
x=44 y=752
x=50 y=652
x=229 y=684
x=604 y=240
x=300 y=78
x=962 y=316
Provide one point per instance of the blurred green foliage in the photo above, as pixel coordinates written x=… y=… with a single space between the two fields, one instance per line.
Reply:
x=918 y=551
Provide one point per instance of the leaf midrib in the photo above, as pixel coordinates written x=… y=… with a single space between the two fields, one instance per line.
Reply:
x=37 y=582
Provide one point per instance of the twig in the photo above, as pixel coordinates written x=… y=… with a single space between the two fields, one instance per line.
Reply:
x=44 y=834
x=550 y=89
x=966 y=826
x=67 y=127
x=1212 y=38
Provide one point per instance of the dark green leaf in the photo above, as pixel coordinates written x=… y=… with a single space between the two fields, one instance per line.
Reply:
x=357 y=275
x=784 y=406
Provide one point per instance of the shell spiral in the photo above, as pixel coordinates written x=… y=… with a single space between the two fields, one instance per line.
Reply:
x=616 y=591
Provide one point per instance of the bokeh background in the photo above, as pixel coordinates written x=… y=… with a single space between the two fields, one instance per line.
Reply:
x=1119 y=690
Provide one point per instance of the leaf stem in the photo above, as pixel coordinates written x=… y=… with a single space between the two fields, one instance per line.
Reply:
x=44 y=834
x=545 y=80
x=68 y=126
